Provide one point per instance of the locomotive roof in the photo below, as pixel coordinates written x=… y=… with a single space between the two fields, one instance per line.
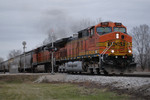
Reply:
x=72 y=38
x=59 y=43
x=86 y=29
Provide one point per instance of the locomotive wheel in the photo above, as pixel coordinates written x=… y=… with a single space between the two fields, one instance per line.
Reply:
x=98 y=71
x=91 y=71
x=106 y=73
x=80 y=72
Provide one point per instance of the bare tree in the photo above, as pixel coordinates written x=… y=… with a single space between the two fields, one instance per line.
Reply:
x=14 y=53
x=141 y=44
x=1 y=59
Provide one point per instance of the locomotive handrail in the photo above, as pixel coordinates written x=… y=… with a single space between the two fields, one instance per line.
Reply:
x=102 y=54
x=107 y=49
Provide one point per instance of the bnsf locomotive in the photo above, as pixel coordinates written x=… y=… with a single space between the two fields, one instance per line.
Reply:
x=105 y=48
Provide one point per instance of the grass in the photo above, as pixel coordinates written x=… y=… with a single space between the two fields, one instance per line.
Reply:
x=18 y=90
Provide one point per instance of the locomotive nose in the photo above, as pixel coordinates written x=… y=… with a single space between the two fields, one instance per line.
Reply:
x=122 y=45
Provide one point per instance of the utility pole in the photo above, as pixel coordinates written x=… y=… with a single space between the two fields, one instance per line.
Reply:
x=52 y=72
x=24 y=46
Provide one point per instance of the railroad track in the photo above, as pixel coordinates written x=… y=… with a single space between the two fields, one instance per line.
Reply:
x=137 y=75
x=112 y=75
x=147 y=75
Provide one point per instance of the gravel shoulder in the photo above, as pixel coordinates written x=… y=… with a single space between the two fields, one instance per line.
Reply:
x=136 y=86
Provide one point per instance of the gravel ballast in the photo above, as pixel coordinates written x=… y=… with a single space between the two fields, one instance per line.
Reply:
x=135 y=85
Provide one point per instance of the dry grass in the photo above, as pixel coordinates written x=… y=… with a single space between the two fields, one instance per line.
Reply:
x=22 y=88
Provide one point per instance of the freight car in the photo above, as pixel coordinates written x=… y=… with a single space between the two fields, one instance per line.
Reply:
x=18 y=63
x=105 y=47
x=4 y=66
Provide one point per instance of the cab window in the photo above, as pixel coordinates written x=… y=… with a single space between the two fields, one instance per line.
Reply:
x=120 y=29
x=103 y=30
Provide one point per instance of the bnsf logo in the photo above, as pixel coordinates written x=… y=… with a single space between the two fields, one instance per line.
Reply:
x=117 y=43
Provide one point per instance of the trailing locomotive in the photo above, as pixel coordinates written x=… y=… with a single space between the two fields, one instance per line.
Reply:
x=105 y=47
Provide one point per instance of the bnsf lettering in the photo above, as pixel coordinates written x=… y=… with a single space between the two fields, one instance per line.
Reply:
x=117 y=43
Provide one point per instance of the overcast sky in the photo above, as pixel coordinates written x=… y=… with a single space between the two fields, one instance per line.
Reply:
x=29 y=20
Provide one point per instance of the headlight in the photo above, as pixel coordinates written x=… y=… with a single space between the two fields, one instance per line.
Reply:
x=117 y=36
x=112 y=51
x=129 y=51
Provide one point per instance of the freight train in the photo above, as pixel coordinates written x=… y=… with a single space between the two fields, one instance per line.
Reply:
x=103 y=48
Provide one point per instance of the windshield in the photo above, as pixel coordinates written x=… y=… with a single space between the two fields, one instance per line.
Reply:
x=103 y=30
x=120 y=29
